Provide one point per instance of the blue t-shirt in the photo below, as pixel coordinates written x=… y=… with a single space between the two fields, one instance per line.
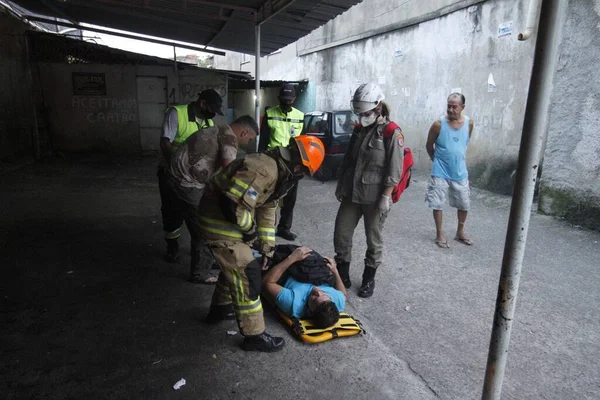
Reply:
x=292 y=298
x=450 y=149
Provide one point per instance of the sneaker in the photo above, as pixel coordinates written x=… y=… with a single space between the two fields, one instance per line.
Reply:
x=286 y=234
x=220 y=313
x=263 y=342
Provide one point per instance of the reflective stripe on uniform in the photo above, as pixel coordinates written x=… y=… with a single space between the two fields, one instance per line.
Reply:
x=238 y=293
x=223 y=292
x=266 y=234
x=219 y=227
x=241 y=306
x=249 y=307
x=173 y=235
x=246 y=223
x=285 y=119
x=238 y=187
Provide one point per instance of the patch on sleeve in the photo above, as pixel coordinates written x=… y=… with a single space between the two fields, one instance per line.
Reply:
x=400 y=140
x=252 y=193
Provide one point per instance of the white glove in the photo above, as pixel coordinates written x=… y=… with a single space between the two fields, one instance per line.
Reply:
x=385 y=203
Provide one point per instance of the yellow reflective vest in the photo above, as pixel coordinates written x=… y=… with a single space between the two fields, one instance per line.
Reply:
x=283 y=126
x=185 y=127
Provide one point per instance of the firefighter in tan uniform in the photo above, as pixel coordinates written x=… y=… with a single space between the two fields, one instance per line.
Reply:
x=372 y=166
x=237 y=213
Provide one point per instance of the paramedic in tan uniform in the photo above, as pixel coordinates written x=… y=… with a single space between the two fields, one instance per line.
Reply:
x=372 y=166
x=237 y=213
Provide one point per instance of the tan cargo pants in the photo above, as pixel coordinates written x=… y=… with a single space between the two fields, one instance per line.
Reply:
x=239 y=283
x=347 y=218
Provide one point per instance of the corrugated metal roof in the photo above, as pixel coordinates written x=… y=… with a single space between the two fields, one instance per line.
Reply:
x=227 y=25
x=51 y=48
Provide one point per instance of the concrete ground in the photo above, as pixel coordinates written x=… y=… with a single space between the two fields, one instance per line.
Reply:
x=89 y=309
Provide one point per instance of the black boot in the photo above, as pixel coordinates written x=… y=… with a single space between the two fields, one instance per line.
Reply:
x=263 y=342
x=344 y=270
x=368 y=282
x=172 y=250
x=220 y=313
x=286 y=234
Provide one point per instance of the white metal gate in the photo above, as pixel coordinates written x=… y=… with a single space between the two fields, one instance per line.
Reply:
x=152 y=103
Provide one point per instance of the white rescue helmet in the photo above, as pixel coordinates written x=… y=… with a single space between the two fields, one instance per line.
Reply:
x=366 y=97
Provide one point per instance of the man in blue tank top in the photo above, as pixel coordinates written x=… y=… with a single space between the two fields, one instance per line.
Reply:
x=447 y=146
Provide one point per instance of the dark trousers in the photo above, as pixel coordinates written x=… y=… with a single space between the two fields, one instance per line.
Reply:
x=175 y=212
x=287 y=209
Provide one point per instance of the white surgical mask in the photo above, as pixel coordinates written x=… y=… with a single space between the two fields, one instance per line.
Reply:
x=368 y=121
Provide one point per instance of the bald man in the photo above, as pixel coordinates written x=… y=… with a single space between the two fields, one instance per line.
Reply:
x=447 y=147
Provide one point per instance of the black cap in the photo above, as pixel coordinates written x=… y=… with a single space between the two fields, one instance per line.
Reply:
x=213 y=99
x=287 y=92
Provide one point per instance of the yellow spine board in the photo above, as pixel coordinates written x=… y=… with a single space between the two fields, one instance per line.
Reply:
x=305 y=331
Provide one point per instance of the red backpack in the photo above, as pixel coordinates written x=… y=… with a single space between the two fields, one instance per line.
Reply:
x=406 y=166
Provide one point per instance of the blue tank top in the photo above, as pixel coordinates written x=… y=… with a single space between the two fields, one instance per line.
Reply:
x=450 y=149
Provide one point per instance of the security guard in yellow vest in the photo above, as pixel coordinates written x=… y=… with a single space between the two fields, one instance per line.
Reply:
x=180 y=123
x=237 y=213
x=279 y=125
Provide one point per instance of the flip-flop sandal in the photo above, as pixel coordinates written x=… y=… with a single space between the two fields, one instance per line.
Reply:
x=442 y=244
x=466 y=241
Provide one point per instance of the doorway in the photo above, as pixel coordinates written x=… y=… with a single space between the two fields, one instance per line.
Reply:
x=152 y=103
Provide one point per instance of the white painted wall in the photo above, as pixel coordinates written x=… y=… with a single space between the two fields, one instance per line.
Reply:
x=418 y=66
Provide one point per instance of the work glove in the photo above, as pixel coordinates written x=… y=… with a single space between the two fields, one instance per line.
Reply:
x=385 y=203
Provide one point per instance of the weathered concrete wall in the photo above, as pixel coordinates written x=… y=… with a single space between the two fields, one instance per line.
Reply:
x=110 y=122
x=17 y=112
x=242 y=102
x=570 y=184
x=417 y=66
x=92 y=123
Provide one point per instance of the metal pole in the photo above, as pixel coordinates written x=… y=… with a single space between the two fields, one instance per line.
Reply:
x=257 y=78
x=532 y=138
x=174 y=59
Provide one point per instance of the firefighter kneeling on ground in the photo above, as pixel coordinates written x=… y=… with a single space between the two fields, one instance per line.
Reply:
x=237 y=213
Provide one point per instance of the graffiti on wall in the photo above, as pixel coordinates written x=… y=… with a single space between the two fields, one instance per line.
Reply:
x=106 y=110
x=488 y=121
x=188 y=91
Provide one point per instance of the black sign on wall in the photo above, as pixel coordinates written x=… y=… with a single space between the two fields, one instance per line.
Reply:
x=89 y=84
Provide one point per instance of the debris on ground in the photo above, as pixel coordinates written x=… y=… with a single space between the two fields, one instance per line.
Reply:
x=179 y=384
